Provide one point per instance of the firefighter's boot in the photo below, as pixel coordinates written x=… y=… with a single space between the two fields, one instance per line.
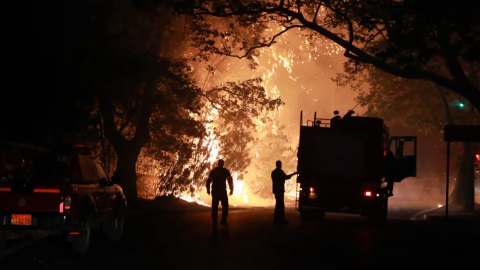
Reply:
x=224 y=222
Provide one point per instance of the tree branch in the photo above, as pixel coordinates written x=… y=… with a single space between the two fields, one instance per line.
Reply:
x=142 y=132
x=465 y=89
x=316 y=12
x=451 y=60
x=262 y=45
x=129 y=117
x=446 y=109
x=364 y=57
x=109 y=126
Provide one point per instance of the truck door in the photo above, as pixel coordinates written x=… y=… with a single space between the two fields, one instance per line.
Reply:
x=404 y=149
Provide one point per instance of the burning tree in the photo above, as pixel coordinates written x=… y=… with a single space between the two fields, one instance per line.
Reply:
x=230 y=113
x=128 y=58
x=398 y=37
x=272 y=145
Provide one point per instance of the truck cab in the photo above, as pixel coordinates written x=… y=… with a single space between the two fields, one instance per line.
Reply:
x=347 y=165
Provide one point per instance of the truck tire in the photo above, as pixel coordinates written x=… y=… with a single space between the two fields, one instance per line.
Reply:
x=380 y=216
x=3 y=240
x=115 y=227
x=82 y=243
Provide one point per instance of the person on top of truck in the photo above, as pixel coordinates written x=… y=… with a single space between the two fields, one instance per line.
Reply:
x=278 y=188
x=349 y=114
x=337 y=115
x=219 y=176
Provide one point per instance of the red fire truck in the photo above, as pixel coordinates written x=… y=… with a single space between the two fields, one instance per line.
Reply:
x=57 y=189
x=349 y=165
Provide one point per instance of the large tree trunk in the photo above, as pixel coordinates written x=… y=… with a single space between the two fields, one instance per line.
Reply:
x=128 y=150
x=125 y=174
x=463 y=193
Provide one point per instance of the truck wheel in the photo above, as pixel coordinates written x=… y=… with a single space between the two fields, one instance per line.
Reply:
x=115 y=227
x=380 y=216
x=82 y=243
x=3 y=240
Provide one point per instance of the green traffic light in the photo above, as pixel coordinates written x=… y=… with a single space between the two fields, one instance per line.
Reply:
x=461 y=105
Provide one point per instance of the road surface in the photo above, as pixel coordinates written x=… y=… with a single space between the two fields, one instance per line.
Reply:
x=186 y=240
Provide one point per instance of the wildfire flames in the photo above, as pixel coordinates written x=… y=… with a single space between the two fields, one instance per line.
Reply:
x=295 y=51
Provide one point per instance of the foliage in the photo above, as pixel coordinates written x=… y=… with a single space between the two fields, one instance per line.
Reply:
x=418 y=104
x=411 y=103
x=128 y=57
x=267 y=150
x=403 y=38
x=234 y=110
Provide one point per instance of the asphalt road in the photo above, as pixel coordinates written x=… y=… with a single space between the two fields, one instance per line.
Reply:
x=185 y=240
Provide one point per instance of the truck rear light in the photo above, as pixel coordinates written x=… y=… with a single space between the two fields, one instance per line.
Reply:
x=68 y=202
x=43 y=190
x=368 y=193
x=5 y=189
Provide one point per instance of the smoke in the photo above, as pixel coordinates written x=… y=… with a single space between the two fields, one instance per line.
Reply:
x=414 y=193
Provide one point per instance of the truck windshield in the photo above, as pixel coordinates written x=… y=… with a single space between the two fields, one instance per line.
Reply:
x=40 y=168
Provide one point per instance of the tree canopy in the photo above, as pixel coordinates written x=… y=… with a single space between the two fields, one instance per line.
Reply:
x=403 y=38
x=128 y=58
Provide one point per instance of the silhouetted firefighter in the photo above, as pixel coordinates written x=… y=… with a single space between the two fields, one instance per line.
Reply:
x=278 y=183
x=219 y=176
x=337 y=115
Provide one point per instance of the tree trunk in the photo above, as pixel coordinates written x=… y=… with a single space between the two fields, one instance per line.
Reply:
x=125 y=174
x=463 y=193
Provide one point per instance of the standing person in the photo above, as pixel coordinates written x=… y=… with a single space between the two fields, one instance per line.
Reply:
x=219 y=176
x=278 y=183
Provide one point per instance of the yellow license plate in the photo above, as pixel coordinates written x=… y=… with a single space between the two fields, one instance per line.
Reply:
x=21 y=220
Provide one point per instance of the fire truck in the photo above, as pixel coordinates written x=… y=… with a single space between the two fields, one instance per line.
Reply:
x=349 y=164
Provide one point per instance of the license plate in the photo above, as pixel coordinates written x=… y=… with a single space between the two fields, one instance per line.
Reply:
x=21 y=220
